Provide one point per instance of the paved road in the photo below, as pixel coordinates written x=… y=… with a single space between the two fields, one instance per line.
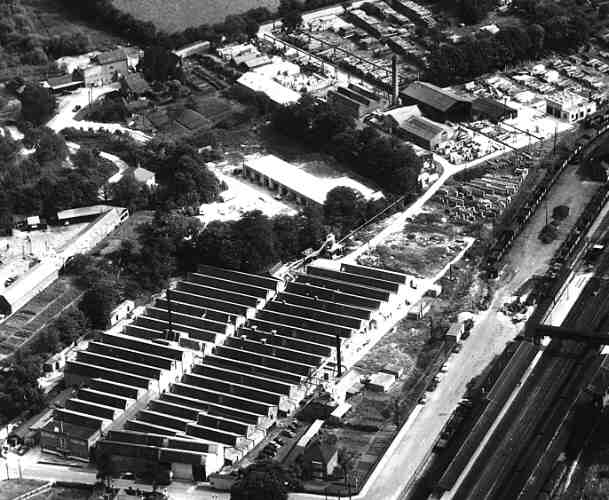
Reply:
x=80 y=97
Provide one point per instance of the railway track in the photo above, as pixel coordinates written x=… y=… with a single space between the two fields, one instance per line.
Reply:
x=520 y=453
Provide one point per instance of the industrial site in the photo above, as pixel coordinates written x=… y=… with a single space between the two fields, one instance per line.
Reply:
x=318 y=250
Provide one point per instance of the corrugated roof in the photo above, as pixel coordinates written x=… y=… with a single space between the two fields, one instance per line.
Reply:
x=422 y=127
x=142 y=174
x=431 y=95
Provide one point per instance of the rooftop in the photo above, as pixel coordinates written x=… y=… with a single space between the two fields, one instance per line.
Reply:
x=402 y=113
x=76 y=431
x=436 y=97
x=111 y=56
x=422 y=127
x=566 y=99
x=136 y=83
x=303 y=183
x=83 y=211
x=274 y=91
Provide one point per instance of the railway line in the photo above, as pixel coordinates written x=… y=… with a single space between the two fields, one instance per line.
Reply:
x=520 y=453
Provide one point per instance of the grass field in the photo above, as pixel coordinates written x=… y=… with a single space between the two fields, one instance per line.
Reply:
x=12 y=488
x=180 y=14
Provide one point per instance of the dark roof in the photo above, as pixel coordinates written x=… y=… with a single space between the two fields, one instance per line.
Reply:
x=491 y=108
x=136 y=84
x=192 y=120
x=60 y=81
x=422 y=127
x=431 y=95
x=111 y=56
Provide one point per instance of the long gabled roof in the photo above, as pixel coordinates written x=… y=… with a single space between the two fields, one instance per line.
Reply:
x=433 y=96
x=422 y=127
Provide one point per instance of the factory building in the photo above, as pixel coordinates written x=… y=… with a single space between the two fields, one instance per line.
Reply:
x=27 y=286
x=198 y=378
x=569 y=106
x=106 y=68
x=354 y=100
x=485 y=108
x=295 y=184
x=424 y=132
x=438 y=104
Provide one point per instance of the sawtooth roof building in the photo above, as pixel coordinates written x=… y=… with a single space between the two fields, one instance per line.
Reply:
x=197 y=379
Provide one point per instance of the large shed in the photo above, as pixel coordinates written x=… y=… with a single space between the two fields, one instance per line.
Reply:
x=436 y=103
x=28 y=286
x=491 y=109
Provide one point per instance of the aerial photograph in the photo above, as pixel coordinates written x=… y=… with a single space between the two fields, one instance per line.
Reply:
x=304 y=250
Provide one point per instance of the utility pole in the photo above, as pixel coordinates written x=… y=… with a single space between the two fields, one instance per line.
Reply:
x=169 y=315
x=339 y=371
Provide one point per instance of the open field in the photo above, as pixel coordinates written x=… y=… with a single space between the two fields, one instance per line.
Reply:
x=12 y=488
x=179 y=15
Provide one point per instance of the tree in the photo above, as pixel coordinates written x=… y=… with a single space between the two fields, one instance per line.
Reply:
x=98 y=302
x=346 y=462
x=267 y=480
x=129 y=193
x=344 y=209
x=37 y=104
x=48 y=145
x=257 y=241
x=160 y=64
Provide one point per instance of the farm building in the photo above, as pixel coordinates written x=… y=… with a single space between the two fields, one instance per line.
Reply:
x=294 y=183
x=353 y=100
x=569 y=106
x=436 y=103
x=424 y=132
x=144 y=176
x=27 y=286
x=276 y=94
x=485 y=108
x=319 y=460
x=106 y=68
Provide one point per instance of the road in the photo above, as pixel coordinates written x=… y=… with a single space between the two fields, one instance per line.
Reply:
x=65 y=113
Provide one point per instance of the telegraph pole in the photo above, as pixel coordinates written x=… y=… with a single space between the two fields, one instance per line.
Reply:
x=169 y=315
x=339 y=371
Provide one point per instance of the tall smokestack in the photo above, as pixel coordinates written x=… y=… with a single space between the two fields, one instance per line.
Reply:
x=395 y=81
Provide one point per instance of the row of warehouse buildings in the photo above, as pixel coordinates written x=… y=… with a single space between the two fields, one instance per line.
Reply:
x=197 y=379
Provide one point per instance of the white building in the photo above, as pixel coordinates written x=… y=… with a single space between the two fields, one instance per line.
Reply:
x=569 y=106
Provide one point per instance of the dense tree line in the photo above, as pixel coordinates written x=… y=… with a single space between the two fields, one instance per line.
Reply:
x=469 y=11
x=46 y=181
x=386 y=160
x=483 y=53
x=21 y=42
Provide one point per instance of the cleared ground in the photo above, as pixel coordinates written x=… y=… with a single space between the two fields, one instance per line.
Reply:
x=181 y=14
x=420 y=250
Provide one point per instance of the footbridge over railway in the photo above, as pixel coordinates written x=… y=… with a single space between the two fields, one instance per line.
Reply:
x=563 y=333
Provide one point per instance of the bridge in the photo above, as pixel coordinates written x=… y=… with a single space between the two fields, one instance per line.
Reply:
x=562 y=333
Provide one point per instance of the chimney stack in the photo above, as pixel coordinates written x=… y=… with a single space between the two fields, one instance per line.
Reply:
x=395 y=81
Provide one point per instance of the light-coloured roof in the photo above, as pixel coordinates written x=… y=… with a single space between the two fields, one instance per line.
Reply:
x=83 y=211
x=275 y=92
x=29 y=281
x=402 y=113
x=310 y=434
x=142 y=174
x=303 y=183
